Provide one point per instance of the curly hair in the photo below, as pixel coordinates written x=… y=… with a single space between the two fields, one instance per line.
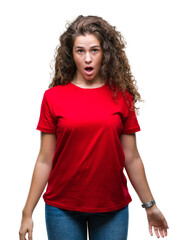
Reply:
x=115 y=68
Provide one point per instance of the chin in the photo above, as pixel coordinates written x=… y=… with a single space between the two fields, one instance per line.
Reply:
x=90 y=78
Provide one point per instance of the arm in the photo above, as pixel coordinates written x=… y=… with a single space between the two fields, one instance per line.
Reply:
x=39 y=180
x=136 y=173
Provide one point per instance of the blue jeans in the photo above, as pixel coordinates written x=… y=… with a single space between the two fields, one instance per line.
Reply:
x=64 y=224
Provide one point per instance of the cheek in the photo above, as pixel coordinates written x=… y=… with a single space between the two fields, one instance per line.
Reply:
x=77 y=61
x=99 y=60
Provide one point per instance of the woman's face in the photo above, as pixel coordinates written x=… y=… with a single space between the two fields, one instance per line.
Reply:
x=87 y=54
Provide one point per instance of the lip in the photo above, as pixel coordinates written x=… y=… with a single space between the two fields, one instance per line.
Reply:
x=90 y=72
x=89 y=66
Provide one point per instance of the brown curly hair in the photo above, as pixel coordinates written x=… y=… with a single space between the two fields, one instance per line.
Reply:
x=115 y=68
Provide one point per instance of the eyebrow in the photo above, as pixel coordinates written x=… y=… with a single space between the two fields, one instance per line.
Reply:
x=90 y=47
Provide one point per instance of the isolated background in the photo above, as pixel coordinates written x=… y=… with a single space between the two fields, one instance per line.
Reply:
x=156 y=35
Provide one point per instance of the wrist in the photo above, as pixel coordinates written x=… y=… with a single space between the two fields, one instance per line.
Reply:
x=148 y=204
x=26 y=213
x=151 y=209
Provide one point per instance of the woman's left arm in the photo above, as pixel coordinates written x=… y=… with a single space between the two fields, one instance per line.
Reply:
x=136 y=173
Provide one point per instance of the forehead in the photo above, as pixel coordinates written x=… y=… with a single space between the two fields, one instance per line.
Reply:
x=86 y=40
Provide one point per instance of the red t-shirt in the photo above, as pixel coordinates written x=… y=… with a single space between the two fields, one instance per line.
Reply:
x=87 y=168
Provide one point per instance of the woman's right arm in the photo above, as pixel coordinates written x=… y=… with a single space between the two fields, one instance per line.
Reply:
x=39 y=180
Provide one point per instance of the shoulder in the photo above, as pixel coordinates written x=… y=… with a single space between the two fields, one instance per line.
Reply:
x=129 y=99
x=129 y=95
x=126 y=95
x=51 y=92
x=52 y=95
x=54 y=89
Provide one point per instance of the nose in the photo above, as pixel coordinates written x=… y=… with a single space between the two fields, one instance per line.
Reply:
x=88 y=58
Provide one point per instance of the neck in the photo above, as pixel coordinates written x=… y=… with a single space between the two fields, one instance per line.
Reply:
x=79 y=80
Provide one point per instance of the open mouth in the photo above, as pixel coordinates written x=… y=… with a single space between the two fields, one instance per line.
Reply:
x=89 y=69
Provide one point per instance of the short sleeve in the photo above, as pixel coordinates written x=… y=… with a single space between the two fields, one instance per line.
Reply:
x=131 y=124
x=46 y=121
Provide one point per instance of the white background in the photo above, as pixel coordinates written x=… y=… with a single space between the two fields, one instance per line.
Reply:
x=156 y=35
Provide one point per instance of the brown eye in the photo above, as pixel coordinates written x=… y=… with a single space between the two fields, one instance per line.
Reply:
x=95 y=50
x=80 y=51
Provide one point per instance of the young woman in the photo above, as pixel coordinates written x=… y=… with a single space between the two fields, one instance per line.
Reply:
x=88 y=123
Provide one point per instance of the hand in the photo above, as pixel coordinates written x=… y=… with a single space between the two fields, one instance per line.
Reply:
x=26 y=227
x=156 y=220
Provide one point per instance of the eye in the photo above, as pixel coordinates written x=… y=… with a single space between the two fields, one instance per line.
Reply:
x=80 y=50
x=95 y=50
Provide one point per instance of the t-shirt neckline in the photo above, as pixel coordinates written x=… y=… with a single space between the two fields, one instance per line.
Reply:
x=88 y=88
